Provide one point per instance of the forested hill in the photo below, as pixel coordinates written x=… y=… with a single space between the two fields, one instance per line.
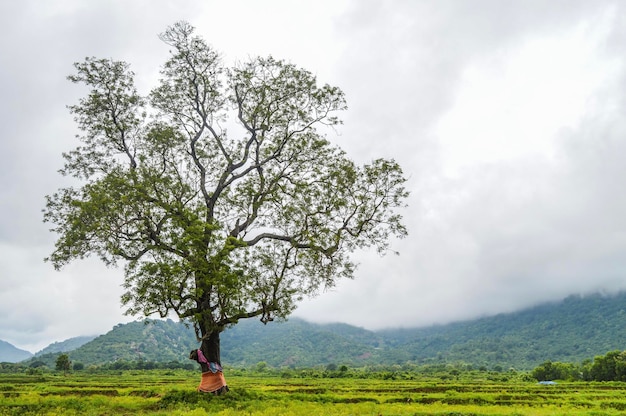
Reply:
x=573 y=330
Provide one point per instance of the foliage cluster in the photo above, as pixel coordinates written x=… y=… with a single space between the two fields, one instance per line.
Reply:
x=217 y=190
x=63 y=363
x=608 y=367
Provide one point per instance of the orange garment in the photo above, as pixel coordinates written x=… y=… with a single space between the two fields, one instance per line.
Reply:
x=212 y=382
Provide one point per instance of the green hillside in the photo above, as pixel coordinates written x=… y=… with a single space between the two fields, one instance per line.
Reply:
x=572 y=330
x=297 y=343
x=155 y=340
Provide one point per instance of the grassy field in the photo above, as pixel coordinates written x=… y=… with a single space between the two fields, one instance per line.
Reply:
x=173 y=393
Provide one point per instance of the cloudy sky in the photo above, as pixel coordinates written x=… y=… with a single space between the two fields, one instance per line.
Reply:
x=508 y=118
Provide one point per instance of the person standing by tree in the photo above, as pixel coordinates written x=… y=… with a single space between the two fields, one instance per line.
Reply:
x=216 y=224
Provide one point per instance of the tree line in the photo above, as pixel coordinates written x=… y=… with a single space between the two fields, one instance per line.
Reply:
x=608 y=367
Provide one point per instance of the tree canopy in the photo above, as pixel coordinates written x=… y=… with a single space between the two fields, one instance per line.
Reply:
x=63 y=363
x=218 y=190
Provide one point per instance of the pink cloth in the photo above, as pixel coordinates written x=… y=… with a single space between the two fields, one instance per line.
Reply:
x=202 y=358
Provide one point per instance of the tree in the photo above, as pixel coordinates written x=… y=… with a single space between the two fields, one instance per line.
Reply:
x=609 y=367
x=555 y=371
x=63 y=363
x=218 y=224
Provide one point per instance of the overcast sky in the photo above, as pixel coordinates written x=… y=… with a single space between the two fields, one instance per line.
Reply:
x=508 y=118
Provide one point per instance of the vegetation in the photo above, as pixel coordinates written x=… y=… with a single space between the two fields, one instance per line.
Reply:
x=608 y=367
x=443 y=392
x=155 y=342
x=213 y=225
x=63 y=363
x=575 y=329
x=549 y=371
x=591 y=388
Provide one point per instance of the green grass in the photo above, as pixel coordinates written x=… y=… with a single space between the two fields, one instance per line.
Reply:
x=173 y=393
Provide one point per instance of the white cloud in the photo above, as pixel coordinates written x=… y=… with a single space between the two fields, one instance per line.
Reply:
x=515 y=104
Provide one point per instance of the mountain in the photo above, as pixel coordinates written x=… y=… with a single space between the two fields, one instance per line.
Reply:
x=572 y=330
x=11 y=354
x=293 y=343
x=153 y=340
x=575 y=329
x=149 y=341
x=65 y=346
x=297 y=343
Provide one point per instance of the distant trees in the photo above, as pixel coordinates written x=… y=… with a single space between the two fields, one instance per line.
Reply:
x=63 y=363
x=608 y=367
x=556 y=371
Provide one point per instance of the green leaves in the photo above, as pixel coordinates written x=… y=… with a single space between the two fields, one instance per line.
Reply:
x=110 y=116
x=63 y=363
x=214 y=225
x=190 y=90
x=272 y=95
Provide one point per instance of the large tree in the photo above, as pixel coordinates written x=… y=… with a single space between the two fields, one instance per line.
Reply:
x=215 y=225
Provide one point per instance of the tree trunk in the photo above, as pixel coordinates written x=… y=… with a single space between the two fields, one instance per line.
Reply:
x=211 y=347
